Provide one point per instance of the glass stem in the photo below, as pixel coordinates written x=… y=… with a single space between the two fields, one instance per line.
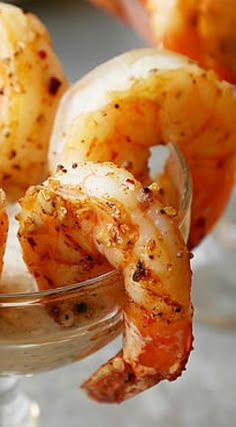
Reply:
x=16 y=409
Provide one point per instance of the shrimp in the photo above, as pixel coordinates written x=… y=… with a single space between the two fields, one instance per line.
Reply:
x=148 y=97
x=3 y=227
x=101 y=208
x=31 y=84
x=204 y=30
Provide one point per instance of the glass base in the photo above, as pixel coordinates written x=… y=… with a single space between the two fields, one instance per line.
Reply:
x=214 y=273
x=16 y=409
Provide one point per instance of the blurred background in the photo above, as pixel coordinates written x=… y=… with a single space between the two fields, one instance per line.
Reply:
x=204 y=396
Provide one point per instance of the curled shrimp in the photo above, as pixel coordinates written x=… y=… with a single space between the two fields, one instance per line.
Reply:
x=31 y=84
x=3 y=227
x=148 y=97
x=100 y=208
x=204 y=30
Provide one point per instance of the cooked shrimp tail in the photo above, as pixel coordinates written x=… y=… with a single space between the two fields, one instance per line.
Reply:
x=117 y=380
x=122 y=378
x=102 y=209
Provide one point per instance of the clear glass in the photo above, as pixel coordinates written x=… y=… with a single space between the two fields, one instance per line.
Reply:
x=41 y=331
x=214 y=274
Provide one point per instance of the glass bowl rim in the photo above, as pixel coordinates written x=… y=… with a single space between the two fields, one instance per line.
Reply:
x=186 y=198
x=37 y=295
x=185 y=205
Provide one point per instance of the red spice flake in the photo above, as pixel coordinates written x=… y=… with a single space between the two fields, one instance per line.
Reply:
x=194 y=19
x=220 y=164
x=17 y=167
x=42 y=54
x=31 y=242
x=12 y=154
x=6 y=176
x=55 y=311
x=54 y=85
x=146 y=190
x=130 y=181
x=50 y=282
x=201 y=222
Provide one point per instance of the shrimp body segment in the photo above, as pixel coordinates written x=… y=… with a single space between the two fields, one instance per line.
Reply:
x=148 y=97
x=3 y=227
x=114 y=216
x=31 y=84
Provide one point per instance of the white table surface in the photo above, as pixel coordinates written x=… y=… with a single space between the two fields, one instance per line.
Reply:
x=205 y=396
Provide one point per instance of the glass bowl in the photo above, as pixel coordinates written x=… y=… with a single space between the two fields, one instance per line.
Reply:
x=44 y=330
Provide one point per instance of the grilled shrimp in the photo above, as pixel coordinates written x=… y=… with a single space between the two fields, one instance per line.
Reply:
x=102 y=209
x=3 y=227
x=145 y=98
x=31 y=84
x=204 y=30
